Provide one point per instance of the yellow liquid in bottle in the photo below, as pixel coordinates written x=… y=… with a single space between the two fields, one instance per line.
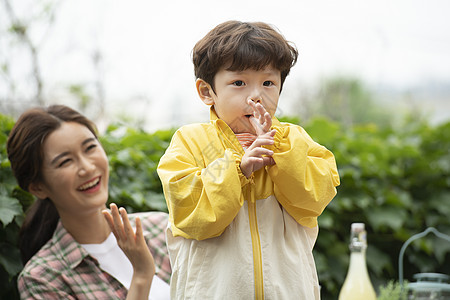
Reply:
x=357 y=285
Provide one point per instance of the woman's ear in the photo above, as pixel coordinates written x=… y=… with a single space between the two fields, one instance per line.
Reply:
x=37 y=190
x=205 y=91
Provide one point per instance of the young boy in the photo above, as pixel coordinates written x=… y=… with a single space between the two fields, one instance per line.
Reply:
x=244 y=191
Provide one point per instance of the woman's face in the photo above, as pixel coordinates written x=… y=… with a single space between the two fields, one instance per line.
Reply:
x=75 y=171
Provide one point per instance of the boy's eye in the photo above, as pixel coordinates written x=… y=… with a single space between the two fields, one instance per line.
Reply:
x=268 y=83
x=238 y=83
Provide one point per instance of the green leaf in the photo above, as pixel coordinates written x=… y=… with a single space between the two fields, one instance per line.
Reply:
x=9 y=208
x=10 y=259
x=377 y=260
x=382 y=217
x=25 y=198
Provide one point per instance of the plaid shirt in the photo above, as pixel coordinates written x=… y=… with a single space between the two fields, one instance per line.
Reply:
x=63 y=269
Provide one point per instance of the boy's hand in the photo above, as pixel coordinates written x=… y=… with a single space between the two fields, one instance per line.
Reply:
x=261 y=119
x=257 y=157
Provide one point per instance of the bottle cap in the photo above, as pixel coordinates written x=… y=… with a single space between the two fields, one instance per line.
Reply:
x=358 y=227
x=358 y=239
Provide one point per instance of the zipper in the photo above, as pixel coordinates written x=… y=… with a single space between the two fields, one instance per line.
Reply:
x=256 y=245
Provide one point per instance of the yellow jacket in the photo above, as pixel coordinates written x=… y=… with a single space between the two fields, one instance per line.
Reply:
x=230 y=236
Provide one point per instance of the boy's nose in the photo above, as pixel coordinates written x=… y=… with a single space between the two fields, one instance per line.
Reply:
x=256 y=99
x=255 y=95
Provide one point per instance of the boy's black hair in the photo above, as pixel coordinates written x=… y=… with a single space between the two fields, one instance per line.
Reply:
x=237 y=46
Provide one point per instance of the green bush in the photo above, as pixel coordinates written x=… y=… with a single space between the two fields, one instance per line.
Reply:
x=393 y=291
x=396 y=181
x=133 y=157
x=12 y=204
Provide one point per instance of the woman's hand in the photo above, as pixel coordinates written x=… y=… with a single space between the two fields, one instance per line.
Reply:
x=255 y=156
x=135 y=248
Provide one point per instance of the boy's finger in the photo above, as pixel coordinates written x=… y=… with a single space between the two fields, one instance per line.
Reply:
x=256 y=125
x=269 y=134
x=259 y=152
x=254 y=107
x=260 y=108
x=267 y=121
x=257 y=114
x=255 y=160
x=268 y=160
x=259 y=142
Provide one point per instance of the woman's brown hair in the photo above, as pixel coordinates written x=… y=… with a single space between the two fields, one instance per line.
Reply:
x=237 y=46
x=25 y=152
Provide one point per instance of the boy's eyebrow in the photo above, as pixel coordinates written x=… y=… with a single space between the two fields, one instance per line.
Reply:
x=271 y=71
x=268 y=72
x=57 y=157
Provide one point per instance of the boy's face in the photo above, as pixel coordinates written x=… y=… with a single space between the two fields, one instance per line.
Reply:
x=234 y=88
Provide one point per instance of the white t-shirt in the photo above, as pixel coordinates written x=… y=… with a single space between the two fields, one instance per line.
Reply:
x=115 y=262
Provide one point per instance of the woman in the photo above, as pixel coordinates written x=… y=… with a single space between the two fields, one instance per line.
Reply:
x=71 y=246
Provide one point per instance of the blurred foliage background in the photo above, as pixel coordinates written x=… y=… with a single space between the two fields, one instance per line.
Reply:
x=395 y=178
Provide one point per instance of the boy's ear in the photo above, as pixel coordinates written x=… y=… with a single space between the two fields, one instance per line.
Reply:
x=37 y=190
x=205 y=91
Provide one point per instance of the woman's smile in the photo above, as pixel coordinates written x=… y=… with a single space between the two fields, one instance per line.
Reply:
x=91 y=186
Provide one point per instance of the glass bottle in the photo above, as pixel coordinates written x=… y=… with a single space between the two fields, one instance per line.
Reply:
x=357 y=284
